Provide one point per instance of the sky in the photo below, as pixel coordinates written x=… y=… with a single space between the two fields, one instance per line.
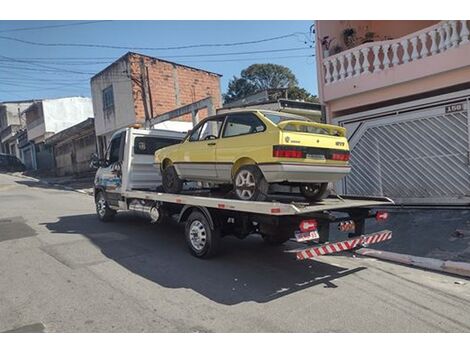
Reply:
x=32 y=71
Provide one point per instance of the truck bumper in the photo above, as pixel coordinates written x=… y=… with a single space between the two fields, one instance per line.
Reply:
x=303 y=173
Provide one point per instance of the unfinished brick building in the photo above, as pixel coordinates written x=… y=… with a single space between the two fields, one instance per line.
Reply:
x=136 y=87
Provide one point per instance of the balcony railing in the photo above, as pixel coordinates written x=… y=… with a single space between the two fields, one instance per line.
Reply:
x=379 y=56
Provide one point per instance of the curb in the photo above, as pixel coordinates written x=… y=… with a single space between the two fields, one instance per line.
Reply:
x=447 y=266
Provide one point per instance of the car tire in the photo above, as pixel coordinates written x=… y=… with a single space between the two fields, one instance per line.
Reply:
x=314 y=191
x=170 y=180
x=104 y=212
x=250 y=184
x=202 y=240
x=275 y=235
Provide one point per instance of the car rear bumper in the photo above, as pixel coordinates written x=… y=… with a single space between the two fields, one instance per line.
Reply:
x=303 y=173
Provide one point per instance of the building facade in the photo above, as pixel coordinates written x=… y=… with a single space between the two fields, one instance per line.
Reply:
x=47 y=117
x=138 y=87
x=11 y=122
x=401 y=88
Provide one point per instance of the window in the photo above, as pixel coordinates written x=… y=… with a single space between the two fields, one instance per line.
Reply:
x=114 y=149
x=149 y=145
x=108 y=98
x=240 y=124
x=275 y=118
x=208 y=130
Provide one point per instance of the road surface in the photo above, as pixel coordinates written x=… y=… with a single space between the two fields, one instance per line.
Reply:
x=61 y=270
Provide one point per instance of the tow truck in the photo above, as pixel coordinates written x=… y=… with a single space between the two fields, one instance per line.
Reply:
x=127 y=180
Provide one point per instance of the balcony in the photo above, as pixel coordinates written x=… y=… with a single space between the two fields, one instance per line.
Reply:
x=441 y=48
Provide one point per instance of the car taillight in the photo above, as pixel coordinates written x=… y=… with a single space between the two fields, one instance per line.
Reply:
x=308 y=225
x=287 y=152
x=340 y=156
x=381 y=216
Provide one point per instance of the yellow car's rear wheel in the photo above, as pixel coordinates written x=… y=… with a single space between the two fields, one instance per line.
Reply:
x=250 y=184
x=314 y=191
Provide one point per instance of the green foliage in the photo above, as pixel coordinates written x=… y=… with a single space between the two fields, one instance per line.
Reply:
x=258 y=77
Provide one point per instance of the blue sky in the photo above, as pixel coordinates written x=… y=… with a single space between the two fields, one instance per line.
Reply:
x=33 y=71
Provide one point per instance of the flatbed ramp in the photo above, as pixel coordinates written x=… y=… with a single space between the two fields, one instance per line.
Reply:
x=276 y=207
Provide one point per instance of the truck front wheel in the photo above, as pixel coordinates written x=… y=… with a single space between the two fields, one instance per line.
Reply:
x=104 y=212
x=202 y=240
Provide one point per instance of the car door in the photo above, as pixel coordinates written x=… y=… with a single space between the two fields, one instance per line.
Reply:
x=197 y=155
x=110 y=175
x=241 y=137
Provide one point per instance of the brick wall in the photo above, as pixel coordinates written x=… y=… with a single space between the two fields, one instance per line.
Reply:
x=172 y=86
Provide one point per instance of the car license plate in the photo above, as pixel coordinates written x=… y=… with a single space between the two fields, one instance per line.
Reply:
x=306 y=236
x=315 y=156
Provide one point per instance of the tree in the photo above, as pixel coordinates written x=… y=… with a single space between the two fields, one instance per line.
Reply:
x=259 y=77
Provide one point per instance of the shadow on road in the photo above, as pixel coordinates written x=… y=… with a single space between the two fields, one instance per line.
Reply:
x=247 y=270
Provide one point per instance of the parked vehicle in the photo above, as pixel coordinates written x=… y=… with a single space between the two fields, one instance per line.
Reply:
x=251 y=149
x=127 y=181
x=10 y=163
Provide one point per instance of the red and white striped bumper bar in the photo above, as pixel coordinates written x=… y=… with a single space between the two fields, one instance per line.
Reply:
x=344 y=245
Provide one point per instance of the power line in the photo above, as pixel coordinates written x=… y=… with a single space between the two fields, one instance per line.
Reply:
x=51 y=26
x=105 y=46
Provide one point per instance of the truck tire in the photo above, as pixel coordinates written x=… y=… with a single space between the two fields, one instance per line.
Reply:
x=250 y=184
x=275 y=235
x=104 y=212
x=203 y=242
x=170 y=180
x=314 y=191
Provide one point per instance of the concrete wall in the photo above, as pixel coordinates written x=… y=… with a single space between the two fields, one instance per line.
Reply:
x=123 y=114
x=63 y=113
x=10 y=113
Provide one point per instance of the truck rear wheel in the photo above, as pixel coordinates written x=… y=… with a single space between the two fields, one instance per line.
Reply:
x=202 y=240
x=104 y=212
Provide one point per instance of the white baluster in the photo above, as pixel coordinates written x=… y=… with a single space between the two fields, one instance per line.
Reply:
x=423 y=37
x=386 y=61
x=376 y=63
x=357 y=64
x=327 y=65
x=414 y=48
x=406 y=56
x=442 y=39
x=365 y=63
x=464 y=33
x=454 y=39
x=349 y=70
x=448 y=41
x=395 y=58
x=342 y=67
x=433 y=34
x=335 y=69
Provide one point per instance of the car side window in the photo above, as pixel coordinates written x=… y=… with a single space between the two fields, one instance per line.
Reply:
x=208 y=130
x=240 y=124
x=114 y=149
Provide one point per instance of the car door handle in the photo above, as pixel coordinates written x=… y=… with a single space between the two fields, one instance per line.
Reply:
x=213 y=143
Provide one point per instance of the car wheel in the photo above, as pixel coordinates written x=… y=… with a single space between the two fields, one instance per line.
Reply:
x=250 y=184
x=104 y=212
x=170 y=181
x=314 y=191
x=203 y=242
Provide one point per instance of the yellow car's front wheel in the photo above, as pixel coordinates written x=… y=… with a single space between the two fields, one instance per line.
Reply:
x=314 y=191
x=170 y=180
x=250 y=184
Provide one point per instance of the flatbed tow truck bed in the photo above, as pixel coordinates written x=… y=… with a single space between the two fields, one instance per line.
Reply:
x=282 y=218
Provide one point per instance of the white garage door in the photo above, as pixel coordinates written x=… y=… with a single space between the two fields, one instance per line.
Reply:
x=415 y=153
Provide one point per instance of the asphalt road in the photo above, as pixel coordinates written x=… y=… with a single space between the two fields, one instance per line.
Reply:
x=61 y=270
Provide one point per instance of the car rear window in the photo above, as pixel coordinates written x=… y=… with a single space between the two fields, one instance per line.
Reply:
x=275 y=118
x=149 y=145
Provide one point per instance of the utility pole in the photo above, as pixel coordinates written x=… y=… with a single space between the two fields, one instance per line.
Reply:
x=144 y=86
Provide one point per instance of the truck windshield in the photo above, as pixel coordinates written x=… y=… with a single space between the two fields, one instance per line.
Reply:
x=149 y=145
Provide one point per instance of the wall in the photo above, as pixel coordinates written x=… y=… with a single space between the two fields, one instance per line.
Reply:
x=60 y=114
x=72 y=156
x=172 y=86
x=123 y=112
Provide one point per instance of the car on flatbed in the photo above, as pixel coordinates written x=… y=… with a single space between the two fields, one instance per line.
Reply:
x=251 y=149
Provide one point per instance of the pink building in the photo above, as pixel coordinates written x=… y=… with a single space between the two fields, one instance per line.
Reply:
x=401 y=88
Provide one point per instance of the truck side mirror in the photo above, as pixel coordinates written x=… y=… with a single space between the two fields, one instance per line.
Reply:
x=96 y=162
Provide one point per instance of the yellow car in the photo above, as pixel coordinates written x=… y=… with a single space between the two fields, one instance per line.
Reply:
x=251 y=149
